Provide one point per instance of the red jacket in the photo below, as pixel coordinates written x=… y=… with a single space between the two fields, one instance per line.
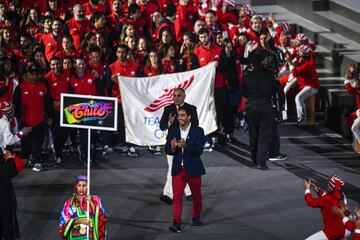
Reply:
x=85 y=85
x=61 y=54
x=353 y=91
x=333 y=226
x=162 y=4
x=227 y=17
x=9 y=83
x=31 y=102
x=184 y=21
x=129 y=69
x=90 y=9
x=113 y=21
x=253 y=35
x=306 y=74
x=77 y=30
x=19 y=163
x=148 y=10
x=207 y=55
x=168 y=65
x=351 y=226
x=139 y=25
x=57 y=85
x=51 y=44
x=150 y=72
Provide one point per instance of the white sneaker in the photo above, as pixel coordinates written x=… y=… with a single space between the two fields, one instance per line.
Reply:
x=207 y=147
x=38 y=167
x=107 y=150
x=228 y=138
x=280 y=157
x=157 y=150
x=215 y=142
x=58 y=160
x=132 y=152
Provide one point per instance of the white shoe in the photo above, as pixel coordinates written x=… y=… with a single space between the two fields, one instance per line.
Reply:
x=107 y=150
x=38 y=167
x=280 y=157
x=215 y=142
x=207 y=147
x=132 y=152
x=157 y=150
x=58 y=160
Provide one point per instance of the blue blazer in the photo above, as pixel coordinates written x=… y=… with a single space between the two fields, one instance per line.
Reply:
x=195 y=141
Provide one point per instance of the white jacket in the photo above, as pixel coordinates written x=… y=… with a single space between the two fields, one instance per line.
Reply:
x=6 y=136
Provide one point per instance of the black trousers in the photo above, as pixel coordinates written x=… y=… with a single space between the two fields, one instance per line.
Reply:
x=32 y=143
x=121 y=127
x=259 y=116
x=7 y=230
x=60 y=134
x=224 y=116
x=274 y=150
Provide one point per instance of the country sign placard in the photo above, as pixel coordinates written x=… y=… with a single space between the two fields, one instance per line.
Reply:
x=90 y=112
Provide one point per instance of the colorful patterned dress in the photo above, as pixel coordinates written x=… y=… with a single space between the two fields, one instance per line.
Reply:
x=75 y=208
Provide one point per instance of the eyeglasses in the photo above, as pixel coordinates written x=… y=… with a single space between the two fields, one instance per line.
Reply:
x=179 y=95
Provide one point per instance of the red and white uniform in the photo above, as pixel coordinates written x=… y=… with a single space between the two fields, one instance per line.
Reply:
x=148 y=10
x=333 y=226
x=150 y=72
x=10 y=82
x=350 y=86
x=169 y=66
x=58 y=84
x=84 y=85
x=128 y=69
x=207 y=55
x=184 y=21
x=139 y=25
x=351 y=226
x=306 y=74
x=52 y=44
x=77 y=30
x=32 y=102
x=61 y=54
x=97 y=8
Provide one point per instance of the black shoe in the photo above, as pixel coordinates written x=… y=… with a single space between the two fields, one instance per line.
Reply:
x=189 y=198
x=176 y=228
x=165 y=199
x=262 y=167
x=196 y=222
x=253 y=165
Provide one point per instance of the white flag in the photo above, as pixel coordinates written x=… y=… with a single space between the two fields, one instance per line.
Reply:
x=144 y=99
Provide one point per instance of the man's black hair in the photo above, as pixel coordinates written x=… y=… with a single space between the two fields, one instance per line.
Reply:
x=133 y=8
x=187 y=110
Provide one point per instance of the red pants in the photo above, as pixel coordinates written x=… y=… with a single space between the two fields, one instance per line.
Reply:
x=178 y=184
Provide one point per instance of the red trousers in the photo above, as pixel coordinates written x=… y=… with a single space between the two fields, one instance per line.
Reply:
x=178 y=184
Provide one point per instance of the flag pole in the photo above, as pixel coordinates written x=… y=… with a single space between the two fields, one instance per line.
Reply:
x=88 y=182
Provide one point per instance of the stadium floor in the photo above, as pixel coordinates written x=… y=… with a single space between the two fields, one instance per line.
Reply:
x=238 y=202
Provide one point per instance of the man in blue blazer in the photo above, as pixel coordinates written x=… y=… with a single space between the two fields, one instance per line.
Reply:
x=169 y=120
x=186 y=143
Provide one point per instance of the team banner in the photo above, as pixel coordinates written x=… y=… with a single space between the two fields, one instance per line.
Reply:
x=144 y=100
x=94 y=112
